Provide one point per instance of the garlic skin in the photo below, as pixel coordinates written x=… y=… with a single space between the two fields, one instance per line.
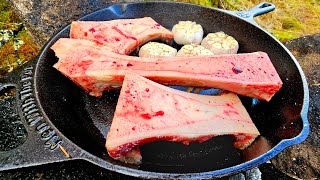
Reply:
x=220 y=43
x=155 y=49
x=187 y=32
x=193 y=50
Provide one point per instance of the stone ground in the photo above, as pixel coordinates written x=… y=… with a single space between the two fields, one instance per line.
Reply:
x=44 y=18
x=303 y=160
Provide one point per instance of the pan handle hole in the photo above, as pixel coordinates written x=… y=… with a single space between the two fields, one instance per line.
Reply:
x=264 y=5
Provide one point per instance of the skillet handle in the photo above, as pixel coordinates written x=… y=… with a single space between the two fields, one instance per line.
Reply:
x=261 y=8
x=257 y=10
x=30 y=139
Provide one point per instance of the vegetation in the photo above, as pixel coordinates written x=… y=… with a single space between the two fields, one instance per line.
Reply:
x=16 y=45
x=291 y=19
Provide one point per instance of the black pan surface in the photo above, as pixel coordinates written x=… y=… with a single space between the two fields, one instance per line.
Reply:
x=85 y=120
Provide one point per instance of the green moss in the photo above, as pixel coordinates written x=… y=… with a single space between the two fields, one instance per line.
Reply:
x=29 y=49
x=292 y=23
x=5 y=16
x=6 y=13
x=283 y=35
x=3 y=5
x=9 y=57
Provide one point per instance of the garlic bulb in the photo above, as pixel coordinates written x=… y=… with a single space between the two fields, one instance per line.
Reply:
x=187 y=32
x=220 y=43
x=155 y=49
x=193 y=50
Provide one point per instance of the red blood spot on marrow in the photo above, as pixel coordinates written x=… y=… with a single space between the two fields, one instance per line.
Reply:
x=229 y=105
x=146 y=116
x=92 y=30
x=97 y=42
x=150 y=116
x=159 y=113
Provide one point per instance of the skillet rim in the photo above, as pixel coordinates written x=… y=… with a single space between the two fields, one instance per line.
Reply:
x=216 y=173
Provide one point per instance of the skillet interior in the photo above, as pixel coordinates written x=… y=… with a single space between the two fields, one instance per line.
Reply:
x=85 y=120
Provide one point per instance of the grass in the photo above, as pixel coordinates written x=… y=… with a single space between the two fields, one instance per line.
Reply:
x=290 y=20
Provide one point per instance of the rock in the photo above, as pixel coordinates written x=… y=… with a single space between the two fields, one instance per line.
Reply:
x=303 y=160
x=44 y=18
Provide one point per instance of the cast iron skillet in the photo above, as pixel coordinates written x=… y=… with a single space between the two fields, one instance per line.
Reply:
x=57 y=114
